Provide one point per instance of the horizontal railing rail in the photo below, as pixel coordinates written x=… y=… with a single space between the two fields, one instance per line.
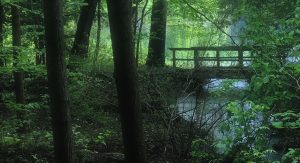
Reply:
x=218 y=59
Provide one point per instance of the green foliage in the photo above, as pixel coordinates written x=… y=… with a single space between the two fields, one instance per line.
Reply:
x=20 y=133
x=271 y=103
x=27 y=127
x=274 y=27
x=293 y=156
x=84 y=141
x=35 y=146
x=245 y=129
x=253 y=155
x=288 y=119
x=202 y=151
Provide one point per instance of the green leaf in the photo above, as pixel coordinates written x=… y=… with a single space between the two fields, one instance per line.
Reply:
x=277 y=124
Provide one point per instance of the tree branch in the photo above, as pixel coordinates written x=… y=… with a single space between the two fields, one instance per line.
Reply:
x=210 y=20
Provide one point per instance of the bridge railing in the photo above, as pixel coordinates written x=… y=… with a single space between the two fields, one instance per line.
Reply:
x=215 y=60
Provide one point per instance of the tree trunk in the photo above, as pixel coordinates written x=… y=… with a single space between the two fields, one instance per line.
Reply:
x=97 y=49
x=140 y=34
x=59 y=100
x=156 y=50
x=40 y=46
x=16 y=36
x=40 y=39
x=84 y=26
x=2 y=60
x=35 y=19
x=2 y=17
x=135 y=13
x=16 y=29
x=19 y=87
x=119 y=12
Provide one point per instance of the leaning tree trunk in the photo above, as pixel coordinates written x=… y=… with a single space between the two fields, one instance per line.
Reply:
x=156 y=50
x=84 y=26
x=119 y=12
x=59 y=101
x=2 y=17
x=16 y=36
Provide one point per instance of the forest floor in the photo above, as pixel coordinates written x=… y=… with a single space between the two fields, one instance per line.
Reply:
x=26 y=129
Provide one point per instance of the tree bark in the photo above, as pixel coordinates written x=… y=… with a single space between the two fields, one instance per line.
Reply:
x=156 y=50
x=2 y=17
x=119 y=12
x=84 y=26
x=59 y=100
x=135 y=13
x=16 y=36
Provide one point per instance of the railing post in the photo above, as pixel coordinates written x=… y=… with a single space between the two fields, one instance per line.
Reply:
x=240 y=56
x=196 y=61
x=174 y=58
x=218 y=58
x=251 y=57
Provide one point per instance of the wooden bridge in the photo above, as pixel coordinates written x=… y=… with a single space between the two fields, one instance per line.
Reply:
x=215 y=62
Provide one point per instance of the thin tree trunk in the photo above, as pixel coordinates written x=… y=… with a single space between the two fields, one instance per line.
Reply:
x=97 y=49
x=119 y=12
x=40 y=45
x=140 y=34
x=2 y=60
x=39 y=40
x=16 y=36
x=35 y=19
x=2 y=17
x=16 y=29
x=59 y=100
x=84 y=26
x=156 y=52
x=19 y=87
x=135 y=16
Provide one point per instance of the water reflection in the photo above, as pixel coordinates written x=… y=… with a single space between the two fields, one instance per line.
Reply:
x=208 y=109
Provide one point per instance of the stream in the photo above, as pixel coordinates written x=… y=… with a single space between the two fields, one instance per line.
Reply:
x=208 y=109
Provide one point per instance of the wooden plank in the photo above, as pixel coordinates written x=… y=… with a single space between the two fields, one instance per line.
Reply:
x=218 y=58
x=215 y=48
x=174 y=58
x=200 y=59
x=196 y=61
x=184 y=59
x=228 y=57
x=240 y=56
x=181 y=49
x=215 y=58
x=223 y=48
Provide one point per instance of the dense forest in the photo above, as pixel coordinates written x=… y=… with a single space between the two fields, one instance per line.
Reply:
x=137 y=81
